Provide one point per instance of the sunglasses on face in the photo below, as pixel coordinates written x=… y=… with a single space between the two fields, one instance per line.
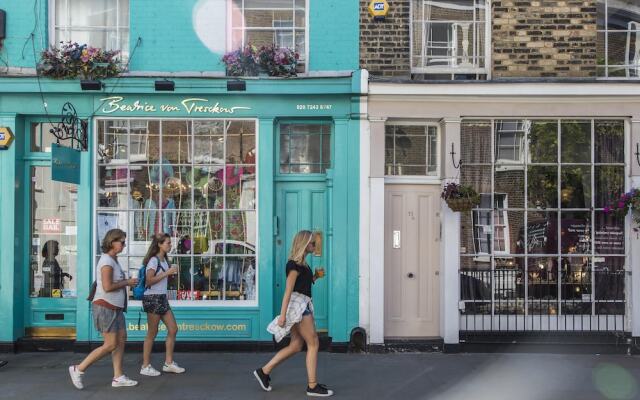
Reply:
x=123 y=241
x=312 y=243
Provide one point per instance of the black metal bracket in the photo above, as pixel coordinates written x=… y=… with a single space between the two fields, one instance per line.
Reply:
x=637 y=153
x=453 y=161
x=71 y=128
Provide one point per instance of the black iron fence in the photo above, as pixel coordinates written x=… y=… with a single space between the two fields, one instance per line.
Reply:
x=510 y=300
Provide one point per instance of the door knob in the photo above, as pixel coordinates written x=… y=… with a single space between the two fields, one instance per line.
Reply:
x=410 y=275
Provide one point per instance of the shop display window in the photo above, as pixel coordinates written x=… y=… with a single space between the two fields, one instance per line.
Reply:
x=192 y=179
x=539 y=239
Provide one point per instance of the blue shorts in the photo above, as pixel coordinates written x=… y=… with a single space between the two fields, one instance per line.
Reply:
x=307 y=311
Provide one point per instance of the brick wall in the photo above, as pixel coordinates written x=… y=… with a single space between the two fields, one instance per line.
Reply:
x=384 y=45
x=530 y=38
x=543 y=38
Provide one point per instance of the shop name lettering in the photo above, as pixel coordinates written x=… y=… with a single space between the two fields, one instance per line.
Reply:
x=64 y=164
x=190 y=106
x=186 y=327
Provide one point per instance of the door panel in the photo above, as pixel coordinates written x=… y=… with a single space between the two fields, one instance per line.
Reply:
x=301 y=205
x=412 y=284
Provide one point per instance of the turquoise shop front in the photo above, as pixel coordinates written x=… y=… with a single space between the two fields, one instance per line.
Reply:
x=231 y=177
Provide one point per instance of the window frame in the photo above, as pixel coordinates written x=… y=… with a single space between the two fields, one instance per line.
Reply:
x=96 y=210
x=606 y=31
x=426 y=124
x=417 y=6
x=331 y=135
x=304 y=57
x=53 y=28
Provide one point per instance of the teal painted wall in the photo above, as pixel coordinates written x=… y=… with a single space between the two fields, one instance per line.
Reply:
x=188 y=35
x=269 y=101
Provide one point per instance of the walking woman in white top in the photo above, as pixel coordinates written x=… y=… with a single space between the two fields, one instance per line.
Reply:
x=156 y=304
x=107 y=307
x=299 y=280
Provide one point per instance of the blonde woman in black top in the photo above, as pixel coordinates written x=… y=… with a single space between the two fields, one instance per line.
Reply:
x=299 y=280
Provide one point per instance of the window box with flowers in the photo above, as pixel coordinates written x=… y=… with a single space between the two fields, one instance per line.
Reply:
x=270 y=60
x=73 y=60
x=460 y=197
x=627 y=202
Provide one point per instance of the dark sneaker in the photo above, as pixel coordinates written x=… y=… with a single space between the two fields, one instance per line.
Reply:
x=263 y=379
x=319 y=391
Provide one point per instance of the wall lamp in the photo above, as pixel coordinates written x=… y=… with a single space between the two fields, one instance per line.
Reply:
x=236 y=86
x=90 y=84
x=165 y=86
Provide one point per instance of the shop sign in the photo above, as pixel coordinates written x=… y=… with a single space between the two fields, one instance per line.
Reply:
x=6 y=137
x=378 y=9
x=51 y=225
x=190 y=106
x=200 y=327
x=65 y=164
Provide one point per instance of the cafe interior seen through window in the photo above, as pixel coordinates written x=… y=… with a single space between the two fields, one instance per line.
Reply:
x=192 y=179
x=540 y=243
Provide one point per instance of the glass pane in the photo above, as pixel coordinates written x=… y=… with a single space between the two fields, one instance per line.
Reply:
x=208 y=186
x=508 y=226
x=509 y=140
x=268 y=4
x=609 y=280
x=182 y=282
x=576 y=141
x=97 y=13
x=107 y=220
x=609 y=236
x=113 y=185
x=208 y=277
x=305 y=149
x=53 y=241
x=620 y=13
x=543 y=142
x=542 y=232
x=241 y=142
x=542 y=188
x=113 y=142
x=621 y=54
x=575 y=187
x=176 y=190
x=475 y=139
x=260 y=37
x=239 y=278
x=144 y=142
x=410 y=150
x=576 y=285
x=476 y=176
x=609 y=138
x=542 y=285
x=509 y=285
x=268 y=18
x=575 y=232
x=176 y=142
x=208 y=142
x=609 y=184
x=509 y=180
x=41 y=137
x=241 y=227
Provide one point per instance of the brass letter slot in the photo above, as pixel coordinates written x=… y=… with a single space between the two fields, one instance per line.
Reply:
x=54 y=317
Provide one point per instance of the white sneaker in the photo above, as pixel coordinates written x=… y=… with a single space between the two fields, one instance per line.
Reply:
x=173 y=367
x=123 y=381
x=76 y=377
x=149 y=371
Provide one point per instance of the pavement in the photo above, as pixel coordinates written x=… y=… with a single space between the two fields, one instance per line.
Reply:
x=41 y=376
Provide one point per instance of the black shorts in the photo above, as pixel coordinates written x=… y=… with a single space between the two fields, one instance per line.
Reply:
x=155 y=304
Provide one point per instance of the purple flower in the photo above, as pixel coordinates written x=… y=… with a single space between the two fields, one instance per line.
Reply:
x=607 y=210
x=621 y=204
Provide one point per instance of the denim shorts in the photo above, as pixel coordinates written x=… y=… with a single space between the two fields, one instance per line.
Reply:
x=107 y=320
x=307 y=311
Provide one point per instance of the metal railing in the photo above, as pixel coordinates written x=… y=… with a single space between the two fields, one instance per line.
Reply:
x=510 y=300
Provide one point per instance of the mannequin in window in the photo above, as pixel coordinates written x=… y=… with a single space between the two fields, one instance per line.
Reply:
x=53 y=274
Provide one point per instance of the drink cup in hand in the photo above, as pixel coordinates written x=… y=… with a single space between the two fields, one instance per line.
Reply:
x=133 y=281
x=173 y=270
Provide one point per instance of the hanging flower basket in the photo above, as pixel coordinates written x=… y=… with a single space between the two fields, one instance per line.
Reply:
x=461 y=204
x=627 y=202
x=460 y=197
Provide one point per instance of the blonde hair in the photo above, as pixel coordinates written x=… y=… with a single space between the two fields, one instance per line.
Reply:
x=299 y=247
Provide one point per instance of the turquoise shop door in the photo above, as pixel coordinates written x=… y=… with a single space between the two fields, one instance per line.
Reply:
x=302 y=205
